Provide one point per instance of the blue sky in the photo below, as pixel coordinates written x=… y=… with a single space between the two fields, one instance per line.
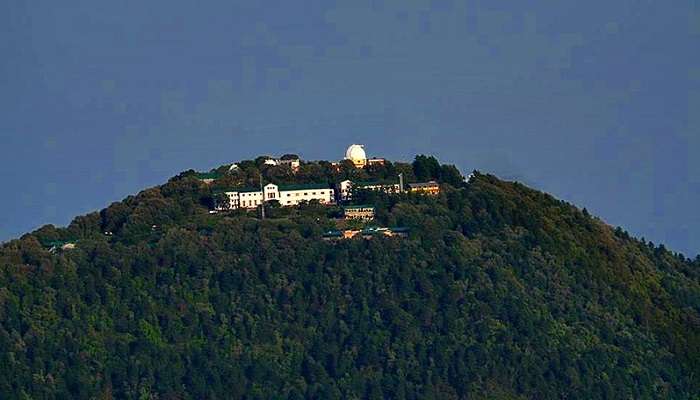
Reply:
x=595 y=102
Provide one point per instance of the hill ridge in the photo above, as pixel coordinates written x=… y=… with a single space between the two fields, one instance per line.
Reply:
x=500 y=291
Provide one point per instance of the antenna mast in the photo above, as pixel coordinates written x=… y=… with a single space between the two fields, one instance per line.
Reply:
x=262 y=203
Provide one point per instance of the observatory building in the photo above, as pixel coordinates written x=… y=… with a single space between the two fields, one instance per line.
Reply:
x=356 y=154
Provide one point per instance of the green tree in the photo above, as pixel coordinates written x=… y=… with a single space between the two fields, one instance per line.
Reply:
x=426 y=168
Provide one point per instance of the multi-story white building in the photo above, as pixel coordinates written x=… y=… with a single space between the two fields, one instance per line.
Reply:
x=286 y=195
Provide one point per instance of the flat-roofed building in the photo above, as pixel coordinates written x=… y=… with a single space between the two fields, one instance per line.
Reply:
x=367 y=233
x=361 y=212
x=286 y=195
x=248 y=198
x=376 y=161
x=290 y=195
x=345 y=187
x=431 y=188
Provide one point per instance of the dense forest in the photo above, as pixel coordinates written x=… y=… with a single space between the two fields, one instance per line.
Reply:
x=499 y=292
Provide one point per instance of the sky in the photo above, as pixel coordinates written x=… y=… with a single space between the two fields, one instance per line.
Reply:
x=596 y=102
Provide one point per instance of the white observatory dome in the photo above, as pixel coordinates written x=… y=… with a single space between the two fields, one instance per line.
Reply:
x=355 y=153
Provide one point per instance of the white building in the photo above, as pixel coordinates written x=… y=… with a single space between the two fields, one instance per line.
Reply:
x=293 y=163
x=286 y=195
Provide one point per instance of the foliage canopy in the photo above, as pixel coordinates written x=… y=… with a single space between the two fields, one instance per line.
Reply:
x=499 y=292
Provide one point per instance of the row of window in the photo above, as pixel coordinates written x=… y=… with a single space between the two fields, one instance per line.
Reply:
x=306 y=194
x=289 y=202
x=251 y=203
x=272 y=195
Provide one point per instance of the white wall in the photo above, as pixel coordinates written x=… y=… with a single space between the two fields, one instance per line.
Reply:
x=285 y=198
x=294 y=197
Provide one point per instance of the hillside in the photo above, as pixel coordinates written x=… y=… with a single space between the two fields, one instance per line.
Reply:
x=499 y=292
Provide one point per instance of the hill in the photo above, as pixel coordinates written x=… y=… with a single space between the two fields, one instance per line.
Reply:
x=499 y=292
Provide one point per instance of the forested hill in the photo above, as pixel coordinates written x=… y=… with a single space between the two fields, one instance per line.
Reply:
x=499 y=292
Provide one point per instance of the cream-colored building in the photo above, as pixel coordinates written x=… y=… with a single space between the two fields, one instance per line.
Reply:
x=431 y=188
x=361 y=212
x=286 y=195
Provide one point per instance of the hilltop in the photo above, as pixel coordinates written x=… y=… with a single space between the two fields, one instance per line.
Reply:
x=498 y=291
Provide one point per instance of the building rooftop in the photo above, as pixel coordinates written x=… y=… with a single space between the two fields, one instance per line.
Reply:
x=423 y=184
x=308 y=186
x=239 y=190
x=304 y=186
x=247 y=190
x=375 y=183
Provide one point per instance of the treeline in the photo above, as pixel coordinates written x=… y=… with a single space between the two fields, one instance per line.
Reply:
x=248 y=172
x=501 y=292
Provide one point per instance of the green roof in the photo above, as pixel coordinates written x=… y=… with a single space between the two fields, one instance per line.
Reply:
x=239 y=190
x=308 y=186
